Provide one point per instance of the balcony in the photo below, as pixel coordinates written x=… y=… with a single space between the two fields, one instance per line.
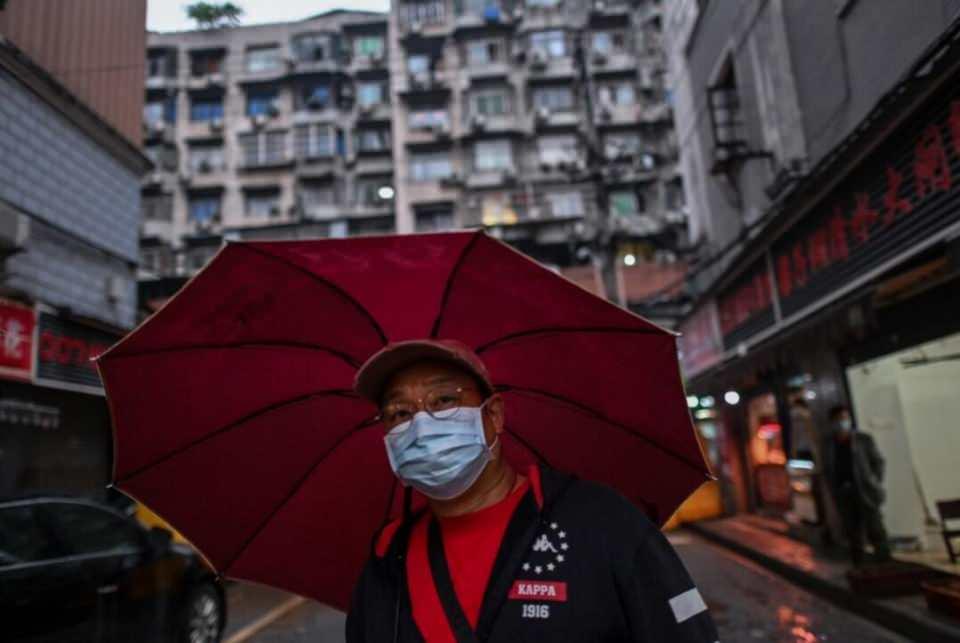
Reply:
x=204 y=176
x=367 y=64
x=546 y=118
x=425 y=83
x=603 y=10
x=321 y=211
x=305 y=66
x=373 y=164
x=618 y=62
x=441 y=133
x=490 y=179
x=492 y=17
x=317 y=166
x=206 y=81
x=542 y=18
x=159 y=132
x=544 y=67
x=380 y=112
x=656 y=113
x=211 y=128
x=614 y=115
x=432 y=191
x=161 y=82
x=490 y=70
x=481 y=124
x=415 y=29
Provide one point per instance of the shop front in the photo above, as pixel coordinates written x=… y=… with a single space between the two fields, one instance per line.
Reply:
x=54 y=422
x=851 y=299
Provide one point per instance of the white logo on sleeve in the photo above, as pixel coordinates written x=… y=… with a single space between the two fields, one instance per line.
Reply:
x=687 y=605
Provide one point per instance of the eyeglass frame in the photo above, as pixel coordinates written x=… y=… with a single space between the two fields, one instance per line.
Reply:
x=419 y=406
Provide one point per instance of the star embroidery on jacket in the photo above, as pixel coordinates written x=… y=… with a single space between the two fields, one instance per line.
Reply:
x=551 y=566
x=538 y=569
x=548 y=550
x=526 y=567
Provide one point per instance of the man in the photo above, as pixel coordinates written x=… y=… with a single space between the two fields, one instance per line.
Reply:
x=500 y=555
x=854 y=469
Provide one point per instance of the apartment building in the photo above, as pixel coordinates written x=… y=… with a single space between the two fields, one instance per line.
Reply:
x=278 y=130
x=546 y=122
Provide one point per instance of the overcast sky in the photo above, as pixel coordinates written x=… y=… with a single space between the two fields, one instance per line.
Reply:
x=169 y=15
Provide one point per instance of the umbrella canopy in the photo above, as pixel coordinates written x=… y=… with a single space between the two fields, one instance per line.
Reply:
x=234 y=417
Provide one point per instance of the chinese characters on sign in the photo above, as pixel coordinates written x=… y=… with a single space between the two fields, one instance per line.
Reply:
x=66 y=351
x=700 y=346
x=848 y=231
x=749 y=300
x=17 y=324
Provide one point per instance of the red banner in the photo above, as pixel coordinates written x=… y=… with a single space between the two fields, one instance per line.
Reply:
x=17 y=324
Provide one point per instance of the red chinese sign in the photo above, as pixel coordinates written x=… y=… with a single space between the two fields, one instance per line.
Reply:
x=849 y=228
x=17 y=324
x=66 y=351
x=751 y=297
x=700 y=346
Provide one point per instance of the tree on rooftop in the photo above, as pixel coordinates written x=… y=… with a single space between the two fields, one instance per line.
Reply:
x=213 y=15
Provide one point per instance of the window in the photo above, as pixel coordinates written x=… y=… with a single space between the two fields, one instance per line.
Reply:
x=312 y=47
x=315 y=141
x=491 y=156
x=492 y=102
x=480 y=8
x=424 y=12
x=434 y=220
x=726 y=119
x=557 y=149
x=160 y=111
x=204 y=207
x=556 y=99
x=206 y=107
x=161 y=64
x=418 y=64
x=206 y=157
x=157 y=207
x=430 y=167
x=370 y=93
x=544 y=4
x=427 y=119
x=623 y=203
x=552 y=43
x=368 y=46
x=372 y=140
x=22 y=539
x=315 y=96
x=262 y=204
x=368 y=191
x=608 y=42
x=164 y=156
x=623 y=93
x=566 y=204
x=261 y=101
x=483 y=52
x=203 y=63
x=261 y=59
x=621 y=145
x=263 y=148
x=90 y=530
x=318 y=193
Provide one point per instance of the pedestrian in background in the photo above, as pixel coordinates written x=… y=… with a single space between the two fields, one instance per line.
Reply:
x=854 y=470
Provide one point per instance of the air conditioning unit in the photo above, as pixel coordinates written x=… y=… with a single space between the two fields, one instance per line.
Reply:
x=443 y=130
x=366 y=109
x=216 y=124
x=599 y=58
x=538 y=59
x=546 y=166
x=214 y=79
x=520 y=54
x=260 y=120
x=115 y=288
x=186 y=176
x=543 y=115
x=599 y=5
x=274 y=109
x=290 y=62
x=606 y=114
x=378 y=59
x=159 y=127
x=314 y=103
x=518 y=13
x=421 y=80
x=580 y=165
x=415 y=27
x=478 y=122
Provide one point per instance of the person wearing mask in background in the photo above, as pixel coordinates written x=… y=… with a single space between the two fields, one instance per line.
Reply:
x=497 y=554
x=854 y=470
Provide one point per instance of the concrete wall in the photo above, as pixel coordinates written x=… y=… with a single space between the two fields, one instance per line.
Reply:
x=83 y=204
x=806 y=77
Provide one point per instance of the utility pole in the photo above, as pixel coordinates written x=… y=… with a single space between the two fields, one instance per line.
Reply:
x=602 y=237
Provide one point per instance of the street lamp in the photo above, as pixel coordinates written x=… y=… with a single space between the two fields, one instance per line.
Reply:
x=385 y=192
x=629 y=260
x=731 y=397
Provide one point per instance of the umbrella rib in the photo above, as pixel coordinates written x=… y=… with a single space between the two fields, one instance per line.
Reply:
x=591 y=412
x=529 y=447
x=232 y=425
x=295 y=488
x=449 y=285
x=325 y=282
x=565 y=329
x=199 y=347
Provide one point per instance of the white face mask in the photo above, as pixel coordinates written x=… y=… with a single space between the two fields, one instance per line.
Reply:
x=845 y=425
x=441 y=458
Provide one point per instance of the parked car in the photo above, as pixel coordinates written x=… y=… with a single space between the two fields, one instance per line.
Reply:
x=77 y=570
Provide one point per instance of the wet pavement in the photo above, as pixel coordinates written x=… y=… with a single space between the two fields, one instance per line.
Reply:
x=748 y=604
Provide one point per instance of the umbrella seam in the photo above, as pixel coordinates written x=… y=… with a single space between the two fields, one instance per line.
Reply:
x=561 y=329
x=232 y=425
x=527 y=445
x=295 y=488
x=198 y=347
x=449 y=285
x=324 y=281
x=588 y=411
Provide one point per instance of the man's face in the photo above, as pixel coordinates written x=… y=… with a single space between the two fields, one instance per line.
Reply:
x=412 y=389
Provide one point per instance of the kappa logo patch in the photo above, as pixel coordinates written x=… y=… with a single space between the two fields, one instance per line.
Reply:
x=537 y=590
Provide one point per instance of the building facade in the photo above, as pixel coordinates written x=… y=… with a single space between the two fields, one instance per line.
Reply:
x=69 y=220
x=280 y=130
x=546 y=122
x=820 y=145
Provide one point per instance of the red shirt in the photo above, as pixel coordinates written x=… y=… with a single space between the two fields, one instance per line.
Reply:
x=470 y=543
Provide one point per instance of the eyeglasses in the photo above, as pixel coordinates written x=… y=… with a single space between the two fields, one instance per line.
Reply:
x=441 y=403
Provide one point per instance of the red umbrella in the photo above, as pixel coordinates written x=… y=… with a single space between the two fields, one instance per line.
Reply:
x=234 y=417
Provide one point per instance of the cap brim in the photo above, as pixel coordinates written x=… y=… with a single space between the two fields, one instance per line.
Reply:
x=372 y=376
